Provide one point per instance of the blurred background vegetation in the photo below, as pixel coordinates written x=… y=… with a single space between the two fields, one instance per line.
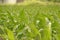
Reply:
x=29 y=22
x=18 y=1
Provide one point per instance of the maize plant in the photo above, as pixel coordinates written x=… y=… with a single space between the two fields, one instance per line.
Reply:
x=30 y=22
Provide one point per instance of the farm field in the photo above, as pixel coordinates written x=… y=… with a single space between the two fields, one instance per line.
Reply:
x=30 y=22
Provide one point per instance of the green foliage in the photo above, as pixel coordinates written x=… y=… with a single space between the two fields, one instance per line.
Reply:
x=30 y=22
x=52 y=0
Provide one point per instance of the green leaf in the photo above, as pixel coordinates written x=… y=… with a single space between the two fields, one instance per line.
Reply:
x=10 y=34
